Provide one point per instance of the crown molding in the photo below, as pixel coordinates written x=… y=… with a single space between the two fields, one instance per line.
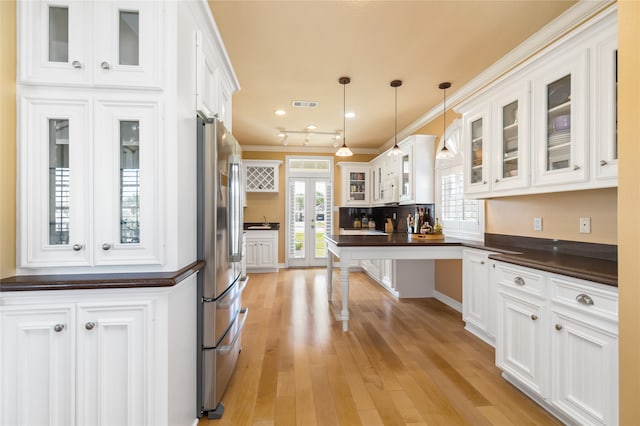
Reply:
x=573 y=17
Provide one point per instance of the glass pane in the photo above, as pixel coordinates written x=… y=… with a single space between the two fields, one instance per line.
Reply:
x=357 y=186
x=58 y=182
x=510 y=140
x=559 y=123
x=129 y=182
x=309 y=165
x=321 y=219
x=298 y=219
x=476 y=151
x=58 y=34
x=405 y=176
x=129 y=38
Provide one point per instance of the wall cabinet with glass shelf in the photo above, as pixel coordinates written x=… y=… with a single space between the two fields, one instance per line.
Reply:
x=355 y=183
x=81 y=172
x=563 y=136
x=417 y=169
x=91 y=43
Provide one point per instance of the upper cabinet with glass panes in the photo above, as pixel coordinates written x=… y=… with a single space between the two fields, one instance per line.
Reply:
x=91 y=43
x=549 y=124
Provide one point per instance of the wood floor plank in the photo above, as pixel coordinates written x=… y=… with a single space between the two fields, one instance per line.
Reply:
x=403 y=362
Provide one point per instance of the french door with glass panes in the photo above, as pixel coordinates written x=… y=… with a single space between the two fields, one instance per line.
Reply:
x=309 y=220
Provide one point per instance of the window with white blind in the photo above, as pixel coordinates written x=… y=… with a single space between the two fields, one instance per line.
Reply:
x=459 y=217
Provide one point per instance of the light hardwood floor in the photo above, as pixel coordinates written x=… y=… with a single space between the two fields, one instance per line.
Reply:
x=403 y=362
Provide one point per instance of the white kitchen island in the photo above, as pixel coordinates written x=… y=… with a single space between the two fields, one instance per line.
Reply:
x=350 y=249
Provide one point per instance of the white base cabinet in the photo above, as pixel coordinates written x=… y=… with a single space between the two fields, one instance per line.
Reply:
x=78 y=357
x=557 y=340
x=478 y=295
x=261 y=251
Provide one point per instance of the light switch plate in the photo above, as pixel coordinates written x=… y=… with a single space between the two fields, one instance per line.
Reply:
x=585 y=225
x=537 y=224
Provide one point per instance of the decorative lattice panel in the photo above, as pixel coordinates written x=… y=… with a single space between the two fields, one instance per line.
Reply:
x=261 y=179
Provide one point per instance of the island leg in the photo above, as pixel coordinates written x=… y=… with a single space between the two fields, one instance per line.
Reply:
x=344 y=286
x=329 y=275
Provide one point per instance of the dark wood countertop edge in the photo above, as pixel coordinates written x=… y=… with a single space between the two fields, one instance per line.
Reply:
x=99 y=281
x=584 y=275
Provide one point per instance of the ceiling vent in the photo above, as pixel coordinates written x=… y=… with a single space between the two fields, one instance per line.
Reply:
x=304 y=104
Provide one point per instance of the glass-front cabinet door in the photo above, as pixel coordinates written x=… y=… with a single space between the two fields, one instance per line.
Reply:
x=54 y=191
x=126 y=184
x=406 y=191
x=477 y=144
x=510 y=149
x=560 y=123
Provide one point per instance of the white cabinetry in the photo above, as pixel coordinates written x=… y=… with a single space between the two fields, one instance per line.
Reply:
x=262 y=175
x=262 y=251
x=478 y=294
x=557 y=340
x=417 y=170
x=355 y=183
x=91 y=43
x=548 y=125
x=89 y=163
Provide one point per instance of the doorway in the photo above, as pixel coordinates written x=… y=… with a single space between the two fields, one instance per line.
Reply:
x=309 y=210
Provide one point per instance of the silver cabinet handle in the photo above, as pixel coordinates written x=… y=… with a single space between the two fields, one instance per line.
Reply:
x=58 y=328
x=518 y=281
x=105 y=65
x=484 y=182
x=90 y=325
x=482 y=262
x=497 y=180
x=575 y=167
x=77 y=247
x=603 y=163
x=76 y=64
x=534 y=317
x=106 y=246
x=584 y=299
x=558 y=327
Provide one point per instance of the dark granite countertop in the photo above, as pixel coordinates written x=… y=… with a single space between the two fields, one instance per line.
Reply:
x=98 y=281
x=556 y=258
x=274 y=226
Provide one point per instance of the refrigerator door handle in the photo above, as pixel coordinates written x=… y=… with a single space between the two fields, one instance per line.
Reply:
x=238 y=294
x=227 y=348
x=235 y=211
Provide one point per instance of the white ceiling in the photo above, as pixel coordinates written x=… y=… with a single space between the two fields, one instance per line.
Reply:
x=296 y=50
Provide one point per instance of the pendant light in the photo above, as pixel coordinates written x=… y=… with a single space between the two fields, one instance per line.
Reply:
x=444 y=152
x=396 y=149
x=344 y=151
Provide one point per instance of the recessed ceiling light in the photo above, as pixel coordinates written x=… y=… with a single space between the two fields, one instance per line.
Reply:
x=280 y=112
x=311 y=127
x=350 y=114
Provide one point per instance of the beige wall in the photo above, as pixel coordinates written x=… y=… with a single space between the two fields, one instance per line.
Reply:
x=628 y=208
x=7 y=138
x=560 y=213
x=272 y=205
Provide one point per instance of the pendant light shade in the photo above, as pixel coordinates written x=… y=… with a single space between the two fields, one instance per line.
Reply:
x=396 y=149
x=444 y=152
x=344 y=150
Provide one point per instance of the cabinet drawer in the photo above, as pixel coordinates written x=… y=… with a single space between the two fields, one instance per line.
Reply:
x=524 y=280
x=588 y=298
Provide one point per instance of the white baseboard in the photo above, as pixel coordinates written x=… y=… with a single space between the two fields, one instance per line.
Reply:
x=195 y=422
x=452 y=303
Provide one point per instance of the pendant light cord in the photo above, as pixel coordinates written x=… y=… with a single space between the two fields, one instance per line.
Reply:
x=344 y=114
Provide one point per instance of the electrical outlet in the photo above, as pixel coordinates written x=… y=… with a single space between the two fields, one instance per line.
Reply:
x=585 y=225
x=537 y=224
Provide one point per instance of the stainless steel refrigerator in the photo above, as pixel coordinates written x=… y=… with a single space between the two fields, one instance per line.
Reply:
x=220 y=312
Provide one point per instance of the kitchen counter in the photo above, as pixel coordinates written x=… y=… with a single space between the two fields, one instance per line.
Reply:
x=552 y=258
x=260 y=226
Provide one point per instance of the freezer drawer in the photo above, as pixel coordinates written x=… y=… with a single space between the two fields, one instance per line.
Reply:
x=219 y=314
x=219 y=363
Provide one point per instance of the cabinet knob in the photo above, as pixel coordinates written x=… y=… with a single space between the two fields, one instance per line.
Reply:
x=106 y=246
x=518 y=281
x=58 y=328
x=482 y=262
x=78 y=247
x=484 y=182
x=558 y=327
x=76 y=64
x=584 y=299
x=90 y=325
x=603 y=163
x=534 y=317
x=105 y=65
x=576 y=167
x=497 y=180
